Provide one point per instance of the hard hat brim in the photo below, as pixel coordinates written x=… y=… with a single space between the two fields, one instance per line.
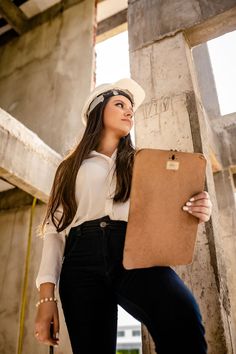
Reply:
x=137 y=94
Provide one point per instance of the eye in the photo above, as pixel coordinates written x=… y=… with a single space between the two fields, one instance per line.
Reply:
x=121 y=104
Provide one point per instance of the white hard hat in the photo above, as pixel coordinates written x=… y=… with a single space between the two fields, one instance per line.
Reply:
x=131 y=87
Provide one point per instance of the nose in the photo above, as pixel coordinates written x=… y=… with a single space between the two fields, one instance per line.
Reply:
x=129 y=113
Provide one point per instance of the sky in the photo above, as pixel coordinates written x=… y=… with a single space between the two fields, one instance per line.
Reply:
x=222 y=52
x=112 y=64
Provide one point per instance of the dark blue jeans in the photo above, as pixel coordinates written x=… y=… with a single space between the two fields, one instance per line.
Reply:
x=93 y=281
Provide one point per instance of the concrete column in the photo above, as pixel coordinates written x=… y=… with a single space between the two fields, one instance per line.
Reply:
x=206 y=81
x=225 y=129
x=46 y=74
x=172 y=117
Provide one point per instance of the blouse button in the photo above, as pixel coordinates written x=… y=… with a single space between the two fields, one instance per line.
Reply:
x=103 y=224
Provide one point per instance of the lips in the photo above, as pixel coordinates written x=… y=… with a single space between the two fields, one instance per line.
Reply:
x=126 y=120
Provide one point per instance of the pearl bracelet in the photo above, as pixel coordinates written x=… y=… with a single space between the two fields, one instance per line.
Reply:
x=46 y=299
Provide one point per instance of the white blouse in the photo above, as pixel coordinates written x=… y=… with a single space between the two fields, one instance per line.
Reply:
x=94 y=192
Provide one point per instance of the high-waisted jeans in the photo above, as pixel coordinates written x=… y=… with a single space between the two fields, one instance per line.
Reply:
x=93 y=281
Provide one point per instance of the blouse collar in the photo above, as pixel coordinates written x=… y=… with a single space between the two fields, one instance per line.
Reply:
x=113 y=156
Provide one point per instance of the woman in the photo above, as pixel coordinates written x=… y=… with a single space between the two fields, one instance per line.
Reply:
x=89 y=202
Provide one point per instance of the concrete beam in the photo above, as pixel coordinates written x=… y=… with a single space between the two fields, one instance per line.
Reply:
x=14 y=199
x=212 y=28
x=112 y=26
x=25 y=160
x=227 y=121
x=14 y=16
x=167 y=18
x=52 y=12
x=42 y=17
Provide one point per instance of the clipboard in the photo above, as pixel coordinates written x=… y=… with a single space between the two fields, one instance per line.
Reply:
x=159 y=232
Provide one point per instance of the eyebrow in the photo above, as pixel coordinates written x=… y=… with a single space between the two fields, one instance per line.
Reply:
x=123 y=102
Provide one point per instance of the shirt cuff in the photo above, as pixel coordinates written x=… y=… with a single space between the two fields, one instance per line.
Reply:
x=45 y=279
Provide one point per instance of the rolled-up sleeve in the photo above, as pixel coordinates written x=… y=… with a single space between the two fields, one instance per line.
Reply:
x=52 y=255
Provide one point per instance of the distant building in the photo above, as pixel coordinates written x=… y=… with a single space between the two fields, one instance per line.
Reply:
x=129 y=340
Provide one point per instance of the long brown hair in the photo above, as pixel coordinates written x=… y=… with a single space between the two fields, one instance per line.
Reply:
x=63 y=189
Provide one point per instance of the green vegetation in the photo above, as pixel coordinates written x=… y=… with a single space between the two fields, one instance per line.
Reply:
x=128 y=351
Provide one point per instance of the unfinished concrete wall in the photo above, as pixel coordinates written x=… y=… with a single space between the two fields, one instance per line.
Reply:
x=173 y=117
x=14 y=238
x=44 y=77
x=46 y=74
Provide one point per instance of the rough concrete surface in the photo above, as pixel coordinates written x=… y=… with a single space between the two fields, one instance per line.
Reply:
x=25 y=160
x=178 y=122
x=213 y=231
x=206 y=81
x=225 y=128
x=227 y=229
x=14 y=238
x=46 y=74
x=166 y=18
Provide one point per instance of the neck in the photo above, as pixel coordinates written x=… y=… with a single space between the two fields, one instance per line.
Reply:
x=107 y=145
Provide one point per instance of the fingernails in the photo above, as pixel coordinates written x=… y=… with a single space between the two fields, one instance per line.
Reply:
x=191 y=199
x=188 y=203
x=185 y=208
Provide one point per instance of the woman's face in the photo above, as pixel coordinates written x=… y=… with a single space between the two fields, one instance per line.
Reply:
x=118 y=115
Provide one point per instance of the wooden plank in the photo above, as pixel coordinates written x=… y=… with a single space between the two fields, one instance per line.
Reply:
x=14 y=16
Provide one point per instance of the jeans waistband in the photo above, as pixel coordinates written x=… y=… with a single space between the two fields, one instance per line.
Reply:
x=102 y=222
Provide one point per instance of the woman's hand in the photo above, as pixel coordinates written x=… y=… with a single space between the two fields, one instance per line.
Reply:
x=47 y=313
x=200 y=206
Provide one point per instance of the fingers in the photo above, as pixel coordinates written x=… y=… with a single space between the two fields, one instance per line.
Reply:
x=42 y=334
x=200 y=203
x=199 y=206
x=56 y=327
x=202 y=217
x=47 y=324
x=202 y=195
x=199 y=210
